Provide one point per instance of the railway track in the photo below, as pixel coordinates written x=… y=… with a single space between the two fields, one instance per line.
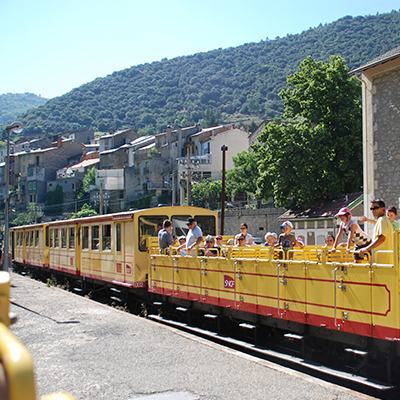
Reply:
x=280 y=356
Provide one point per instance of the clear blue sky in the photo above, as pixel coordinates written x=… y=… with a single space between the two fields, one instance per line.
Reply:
x=49 y=47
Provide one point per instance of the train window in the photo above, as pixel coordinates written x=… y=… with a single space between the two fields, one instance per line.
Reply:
x=207 y=224
x=26 y=238
x=179 y=225
x=149 y=226
x=51 y=237
x=31 y=239
x=85 y=237
x=56 y=244
x=36 y=237
x=17 y=238
x=71 y=243
x=95 y=237
x=106 y=237
x=118 y=235
x=64 y=238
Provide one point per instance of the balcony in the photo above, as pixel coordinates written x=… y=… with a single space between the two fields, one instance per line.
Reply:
x=206 y=159
x=35 y=173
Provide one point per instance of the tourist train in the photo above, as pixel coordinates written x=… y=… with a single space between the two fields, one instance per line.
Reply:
x=332 y=308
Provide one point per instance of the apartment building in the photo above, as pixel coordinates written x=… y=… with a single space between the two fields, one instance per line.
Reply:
x=32 y=170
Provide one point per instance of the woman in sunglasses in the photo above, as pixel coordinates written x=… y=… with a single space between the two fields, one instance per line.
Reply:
x=354 y=234
x=241 y=241
x=243 y=231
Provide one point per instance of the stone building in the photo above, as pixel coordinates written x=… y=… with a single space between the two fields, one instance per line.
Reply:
x=33 y=169
x=381 y=129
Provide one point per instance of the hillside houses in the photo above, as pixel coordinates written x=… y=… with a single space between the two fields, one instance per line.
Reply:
x=128 y=165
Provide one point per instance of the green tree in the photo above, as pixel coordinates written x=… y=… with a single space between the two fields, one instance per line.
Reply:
x=33 y=215
x=86 y=211
x=246 y=165
x=55 y=201
x=210 y=119
x=207 y=194
x=319 y=157
x=83 y=194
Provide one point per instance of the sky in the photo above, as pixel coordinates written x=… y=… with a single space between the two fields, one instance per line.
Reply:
x=49 y=47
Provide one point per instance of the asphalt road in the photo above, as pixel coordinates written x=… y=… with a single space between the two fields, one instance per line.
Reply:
x=96 y=352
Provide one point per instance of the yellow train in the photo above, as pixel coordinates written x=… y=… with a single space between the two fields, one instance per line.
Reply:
x=346 y=310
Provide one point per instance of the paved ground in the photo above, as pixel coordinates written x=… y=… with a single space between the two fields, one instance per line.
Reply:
x=96 y=352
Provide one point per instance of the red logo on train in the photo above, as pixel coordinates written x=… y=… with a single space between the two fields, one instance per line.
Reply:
x=229 y=282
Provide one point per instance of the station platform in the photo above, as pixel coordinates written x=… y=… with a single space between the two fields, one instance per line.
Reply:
x=93 y=351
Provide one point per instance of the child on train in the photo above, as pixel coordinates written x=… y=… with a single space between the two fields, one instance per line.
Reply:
x=287 y=239
x=355 y=234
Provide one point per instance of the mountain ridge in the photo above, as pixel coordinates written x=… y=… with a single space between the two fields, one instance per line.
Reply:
x=236 y=83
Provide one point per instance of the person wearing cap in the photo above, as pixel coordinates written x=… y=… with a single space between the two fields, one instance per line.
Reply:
x=182 y=241
x=270 y=239
x=382 y=238
x=194 y=236
x=286 y=239
x=391 y=213
x=354 y=234
x=243 y=231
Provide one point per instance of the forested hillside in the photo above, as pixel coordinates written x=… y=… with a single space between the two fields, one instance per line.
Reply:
x=13 y=104
x=235 y=83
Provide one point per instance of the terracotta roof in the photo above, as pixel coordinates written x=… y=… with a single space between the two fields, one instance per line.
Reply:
x=324 y=208
x=388 y=56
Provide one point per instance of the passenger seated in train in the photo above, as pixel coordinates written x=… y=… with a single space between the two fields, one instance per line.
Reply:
x=243 y=231
x=270 y=239
x=211 y=249
x=241 y=241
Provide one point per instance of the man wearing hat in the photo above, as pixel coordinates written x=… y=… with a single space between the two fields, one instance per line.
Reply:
x=194 y=236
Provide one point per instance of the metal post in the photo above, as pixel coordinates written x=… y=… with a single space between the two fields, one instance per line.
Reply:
x=224 y=149
x=7 y=207
x=101 y=198
x=173 y=188
x=189 y=179
x=17 y=128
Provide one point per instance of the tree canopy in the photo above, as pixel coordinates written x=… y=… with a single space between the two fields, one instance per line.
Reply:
x=319 y=156
x=237 y=83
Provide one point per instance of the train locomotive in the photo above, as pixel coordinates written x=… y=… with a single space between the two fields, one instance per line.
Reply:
x=329 y=308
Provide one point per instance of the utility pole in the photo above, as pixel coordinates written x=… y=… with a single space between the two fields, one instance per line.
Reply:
x=224 y=149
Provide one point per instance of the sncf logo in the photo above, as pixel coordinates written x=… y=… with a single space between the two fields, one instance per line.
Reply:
x=229 y=282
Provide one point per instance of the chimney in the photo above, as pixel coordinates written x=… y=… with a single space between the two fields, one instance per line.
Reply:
x=59 y=142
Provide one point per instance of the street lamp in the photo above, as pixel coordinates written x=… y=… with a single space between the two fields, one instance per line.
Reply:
x=16 y=127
